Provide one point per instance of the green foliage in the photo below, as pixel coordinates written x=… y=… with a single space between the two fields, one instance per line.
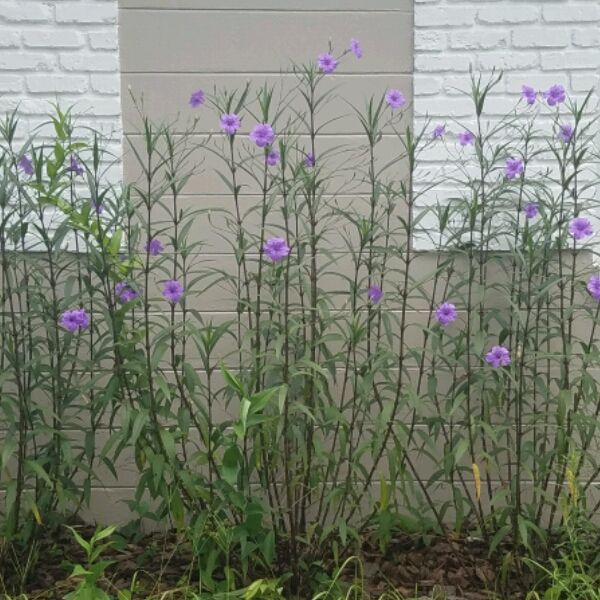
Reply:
x=276 y=404
x=89 y=574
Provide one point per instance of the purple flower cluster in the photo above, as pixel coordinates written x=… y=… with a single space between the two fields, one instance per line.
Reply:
x=230 y=123
x=555 y=95
x=498 y=356
x=154 y=247
x=262 y=135
x=309 y=161
x=276 y=249
x=565 y=133
x=354 y=46
x=531 y=210
x=272 y=158
x=514 y=167
x=594 y=287
x=75 y=319
x=26 y=164
x=125 y=292
x=75 y=168
x=529 y=94
x=196 y=99
x=466 y=138
x=172 y=291
x=99 y=209
x=395 y=99
x=446 y=313
x=327 y=63
x=580 y=228
x=438 y=131
x=375 y=294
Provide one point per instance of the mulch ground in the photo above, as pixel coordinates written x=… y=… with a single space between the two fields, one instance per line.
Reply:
x=163 y=561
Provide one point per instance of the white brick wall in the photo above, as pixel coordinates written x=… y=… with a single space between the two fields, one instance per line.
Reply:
x=66 y=51
x=536 y=42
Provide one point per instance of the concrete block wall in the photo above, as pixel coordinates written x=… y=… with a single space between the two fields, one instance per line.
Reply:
x=68 y=50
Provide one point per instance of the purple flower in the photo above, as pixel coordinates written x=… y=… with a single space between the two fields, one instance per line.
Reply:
x=154 y=247
x=438 y=131
x=446 y=313
x=514 y=167
x=531 y=210
x=529 y=94
x=125 y=292
x=75 y=319
x=466 y=138
x=173 y=291
x=70 y=321
x=262 y=135
x=26 y=164
x=276 y=249
x=565 y=133
x=310 y=160
x=272 y=158
x=498 y=357
x=327 y=63
x=75 y=167
x=594 y=287
x=555 y=95
x=580 y=228
x=230 y=123
x=196 y=99
x=356 y=48
x=375 y=293
x=99 y=209
x=395 y=99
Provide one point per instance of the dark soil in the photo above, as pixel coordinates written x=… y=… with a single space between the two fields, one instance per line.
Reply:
x=164 y=561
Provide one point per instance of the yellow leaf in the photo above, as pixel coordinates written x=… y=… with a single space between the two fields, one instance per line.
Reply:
x=477 y=478
x=572 y=485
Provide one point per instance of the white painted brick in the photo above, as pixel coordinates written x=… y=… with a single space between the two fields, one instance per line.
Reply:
x=539 y=82
x=102 y=107
x=25 y=61
x=11 y=83
x=586 y=38
x=19 y=12
x=85 y=61
x=508 y=60
x=9 y=38
x=584 y=83
x=56 y=84
x=444 y=16
x=106 y=84
x=426 y=85
x=511 y=14
x=429 y=40
x=443 y=62
x=104 y=40
x=541 y=37
x=569 y=60
x=52 y=38
x=479 y=40
x=86 y=12
x=576 y=13
x=458 y=84
x=450 y=107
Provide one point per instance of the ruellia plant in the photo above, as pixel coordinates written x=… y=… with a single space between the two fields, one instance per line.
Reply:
x=333 y=338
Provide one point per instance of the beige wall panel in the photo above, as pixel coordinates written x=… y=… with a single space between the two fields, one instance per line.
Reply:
x=279 y=5
x=167 y=41
x=166 y=96
x=342 y=156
